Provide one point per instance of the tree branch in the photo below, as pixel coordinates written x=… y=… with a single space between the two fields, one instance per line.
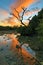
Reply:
x=20 y=19
x=23 y=12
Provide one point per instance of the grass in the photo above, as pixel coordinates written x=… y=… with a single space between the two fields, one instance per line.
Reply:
x=41 y=63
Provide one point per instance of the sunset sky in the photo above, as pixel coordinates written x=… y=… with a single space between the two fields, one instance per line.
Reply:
x=7 y=6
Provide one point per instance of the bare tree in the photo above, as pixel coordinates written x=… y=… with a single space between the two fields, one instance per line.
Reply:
x=20 y=18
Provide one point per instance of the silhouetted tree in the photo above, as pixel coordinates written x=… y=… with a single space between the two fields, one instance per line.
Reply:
x=40 y=14
x=20 y=17
x=34 y=24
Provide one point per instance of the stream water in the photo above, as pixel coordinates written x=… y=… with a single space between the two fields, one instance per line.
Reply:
x=8 y=52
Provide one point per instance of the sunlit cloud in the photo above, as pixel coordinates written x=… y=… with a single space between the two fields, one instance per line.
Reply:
x=22 y=3
x=28 y=13
x=10 y=22
x=14 y=22
x=4 y=14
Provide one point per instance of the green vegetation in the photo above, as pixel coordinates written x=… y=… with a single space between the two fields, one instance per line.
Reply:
x=42 y=63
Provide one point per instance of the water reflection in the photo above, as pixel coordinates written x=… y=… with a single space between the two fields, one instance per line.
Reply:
x=10 y=48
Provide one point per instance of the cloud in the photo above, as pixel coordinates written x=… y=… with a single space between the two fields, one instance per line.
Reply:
x=32 y=12
x=10 y=22
x=21 y=3
x=4 y=14
x=7 y=20
x=13 y=22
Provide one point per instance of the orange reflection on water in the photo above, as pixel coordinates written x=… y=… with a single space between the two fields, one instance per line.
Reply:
x=18 y=51
x=26 y=55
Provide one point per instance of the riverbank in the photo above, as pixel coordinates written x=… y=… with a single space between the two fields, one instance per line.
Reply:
x=36 y=43
x=2 y=32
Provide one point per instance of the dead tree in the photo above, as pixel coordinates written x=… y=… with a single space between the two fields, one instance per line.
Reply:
x=20 y=18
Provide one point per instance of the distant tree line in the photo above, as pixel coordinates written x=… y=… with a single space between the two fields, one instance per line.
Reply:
x=8 y=28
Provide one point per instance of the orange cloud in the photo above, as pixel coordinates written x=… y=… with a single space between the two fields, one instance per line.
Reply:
x=19 y=4
x=14 y=22
x=10 y=22
x=3 y=12
x=22 y=3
